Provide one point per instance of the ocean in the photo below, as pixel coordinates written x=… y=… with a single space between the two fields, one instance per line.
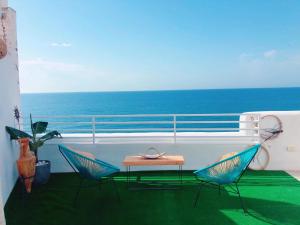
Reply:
x=161 y=102
x=152 y=102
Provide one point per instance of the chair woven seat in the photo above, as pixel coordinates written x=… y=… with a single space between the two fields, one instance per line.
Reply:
x=88 y=167
x=227 y=171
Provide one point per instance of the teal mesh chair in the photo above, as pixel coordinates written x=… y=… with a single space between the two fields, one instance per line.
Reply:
x=88 y=168
x=226 y=172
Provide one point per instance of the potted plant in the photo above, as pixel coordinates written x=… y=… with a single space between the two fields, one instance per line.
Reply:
x=39 y=135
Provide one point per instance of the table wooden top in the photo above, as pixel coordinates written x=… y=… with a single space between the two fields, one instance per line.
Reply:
x=164 y=160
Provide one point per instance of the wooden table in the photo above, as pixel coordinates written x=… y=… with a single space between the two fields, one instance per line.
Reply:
x=166 y=160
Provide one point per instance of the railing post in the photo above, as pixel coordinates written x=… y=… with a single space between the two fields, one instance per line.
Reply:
x=94 y=128
x=174 y=127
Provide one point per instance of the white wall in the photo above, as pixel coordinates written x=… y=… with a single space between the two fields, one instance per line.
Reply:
x=10 y=97
x=2 y=217
x=285 y=149
x=196 y=155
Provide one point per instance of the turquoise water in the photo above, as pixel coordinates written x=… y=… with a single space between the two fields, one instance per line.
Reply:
x=161 y=102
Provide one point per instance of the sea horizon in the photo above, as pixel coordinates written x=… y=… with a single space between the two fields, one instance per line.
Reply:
x=162 y=102
x=207 y=101
x=158 y=90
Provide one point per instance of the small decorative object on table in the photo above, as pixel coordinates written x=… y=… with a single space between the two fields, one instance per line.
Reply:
x=152 y=153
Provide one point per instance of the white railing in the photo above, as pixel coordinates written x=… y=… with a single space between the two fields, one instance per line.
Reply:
x=158 y=125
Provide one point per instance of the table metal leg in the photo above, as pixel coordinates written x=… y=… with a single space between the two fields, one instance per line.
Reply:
x=179 y=176
x=180 y=173
x=130 y=184
x=128 y=176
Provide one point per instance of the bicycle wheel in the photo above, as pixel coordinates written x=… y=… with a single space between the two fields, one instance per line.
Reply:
x=261 y=159
x=269 y=126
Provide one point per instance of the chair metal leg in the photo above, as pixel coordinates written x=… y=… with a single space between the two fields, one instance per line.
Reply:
x=100 y=185
x=241 y=201
x=197 y=195
x=116 y=188
x=78 y=190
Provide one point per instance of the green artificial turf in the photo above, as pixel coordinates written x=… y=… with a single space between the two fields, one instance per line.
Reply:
x=271 y=198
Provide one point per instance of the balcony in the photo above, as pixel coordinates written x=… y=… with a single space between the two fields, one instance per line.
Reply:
x=271 y=197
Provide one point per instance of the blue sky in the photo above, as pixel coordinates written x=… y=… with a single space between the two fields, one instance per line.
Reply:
x=120 y=45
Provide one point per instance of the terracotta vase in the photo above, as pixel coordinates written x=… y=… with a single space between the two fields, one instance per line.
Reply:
x=26 y=163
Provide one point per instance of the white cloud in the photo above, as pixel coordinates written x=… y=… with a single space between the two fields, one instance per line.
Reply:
x=61 y=45
x=249 y=70
x=52 y=65
x=244 y=55
x=270 y=53
x=257 y=57
x=39 y=75
x=260 y=71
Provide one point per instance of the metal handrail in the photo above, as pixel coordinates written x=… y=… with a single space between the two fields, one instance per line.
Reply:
x=172 y=121
x=141 y=115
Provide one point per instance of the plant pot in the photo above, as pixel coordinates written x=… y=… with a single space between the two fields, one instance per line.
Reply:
x=42 y=172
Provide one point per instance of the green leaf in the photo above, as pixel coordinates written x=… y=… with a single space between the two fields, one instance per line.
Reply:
x=50 y=135
x=37 y=144
x=39 y=127
x=16 y=134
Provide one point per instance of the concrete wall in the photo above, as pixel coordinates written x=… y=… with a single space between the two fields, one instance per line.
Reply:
x=10 y=97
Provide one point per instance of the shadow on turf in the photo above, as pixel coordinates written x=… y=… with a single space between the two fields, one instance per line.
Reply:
x=52 y=204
